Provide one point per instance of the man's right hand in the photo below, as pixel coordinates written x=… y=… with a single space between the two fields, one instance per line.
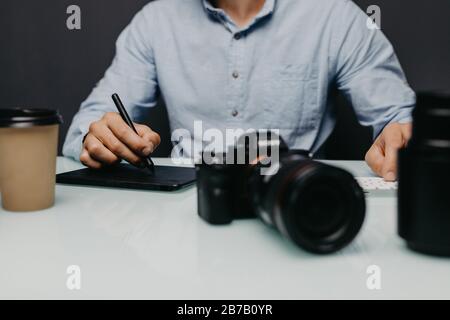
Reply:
x=110 y=140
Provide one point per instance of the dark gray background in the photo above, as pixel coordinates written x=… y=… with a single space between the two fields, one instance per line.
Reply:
x=43 y=64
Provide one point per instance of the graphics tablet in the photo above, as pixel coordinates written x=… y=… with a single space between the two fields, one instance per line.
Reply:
x=165 y=178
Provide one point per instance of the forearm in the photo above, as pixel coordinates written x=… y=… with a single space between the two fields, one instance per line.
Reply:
x=132 y=75
x=369 y=73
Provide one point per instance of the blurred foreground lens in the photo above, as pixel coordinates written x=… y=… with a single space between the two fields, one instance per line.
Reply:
x=319 y=207
x=424 y=174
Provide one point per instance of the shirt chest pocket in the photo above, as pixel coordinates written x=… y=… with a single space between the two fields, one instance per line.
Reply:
x=290 y=97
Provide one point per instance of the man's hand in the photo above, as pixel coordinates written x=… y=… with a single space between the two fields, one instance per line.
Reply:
x=382 y=156
x=110 y=140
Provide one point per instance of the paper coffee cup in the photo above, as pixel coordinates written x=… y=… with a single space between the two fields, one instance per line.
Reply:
x=28 y=151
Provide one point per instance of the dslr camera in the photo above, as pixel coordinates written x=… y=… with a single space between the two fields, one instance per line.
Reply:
x=319 y=207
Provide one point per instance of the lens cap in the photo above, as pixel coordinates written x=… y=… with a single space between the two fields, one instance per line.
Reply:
x=27 y=117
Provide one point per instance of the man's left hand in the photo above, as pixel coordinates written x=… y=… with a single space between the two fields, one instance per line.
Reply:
x=382 y=156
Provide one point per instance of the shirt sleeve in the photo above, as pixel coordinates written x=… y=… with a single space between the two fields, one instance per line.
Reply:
x=369 y=73
x=132 y=75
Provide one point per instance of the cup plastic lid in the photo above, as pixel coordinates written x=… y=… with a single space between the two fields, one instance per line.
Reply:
x=27 y=117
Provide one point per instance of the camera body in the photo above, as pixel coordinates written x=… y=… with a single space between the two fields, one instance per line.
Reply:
x=319 y=207
x=226 y=191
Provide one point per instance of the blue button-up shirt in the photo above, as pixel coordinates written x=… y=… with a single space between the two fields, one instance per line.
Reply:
x=275 y=73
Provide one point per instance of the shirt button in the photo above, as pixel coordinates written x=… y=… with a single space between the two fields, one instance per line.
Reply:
x=235 y=74
x=237 y=36
x=235 y=113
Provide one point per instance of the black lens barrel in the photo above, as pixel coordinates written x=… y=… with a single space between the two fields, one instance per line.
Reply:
x=431 y=122
x=424 y=174
x=319 y=207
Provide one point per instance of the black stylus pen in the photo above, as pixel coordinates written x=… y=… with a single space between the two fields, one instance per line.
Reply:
x=123 y=113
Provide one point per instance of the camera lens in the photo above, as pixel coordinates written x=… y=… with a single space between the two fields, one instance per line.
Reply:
x=314 y=216
x=319 y=207
x=431 y=123
x=424 y=172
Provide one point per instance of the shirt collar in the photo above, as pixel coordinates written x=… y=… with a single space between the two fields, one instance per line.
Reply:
x=268 y=9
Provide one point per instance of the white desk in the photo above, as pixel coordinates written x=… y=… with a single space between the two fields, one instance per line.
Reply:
x=152 y=245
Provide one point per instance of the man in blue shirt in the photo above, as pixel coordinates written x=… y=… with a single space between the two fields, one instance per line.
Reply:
x=241 y=64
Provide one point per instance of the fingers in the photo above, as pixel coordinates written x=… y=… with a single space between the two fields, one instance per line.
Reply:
x=375 y=158
x=383 y=155
x=148 y=135
x=393 y=141
x=127 y=136
x=406 y=132
x=110 y=139
x=98 y=152
x=118 y=148
x=86 y=159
